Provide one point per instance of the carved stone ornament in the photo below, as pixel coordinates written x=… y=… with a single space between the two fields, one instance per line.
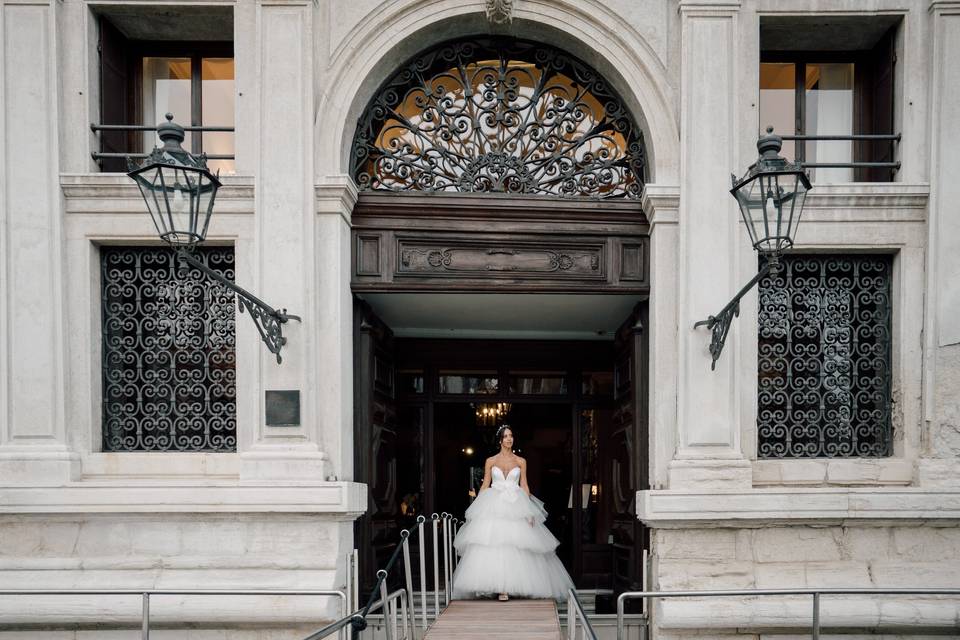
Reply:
x=500 y=11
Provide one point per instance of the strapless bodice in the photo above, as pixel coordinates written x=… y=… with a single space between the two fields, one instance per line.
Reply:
x=512 y=478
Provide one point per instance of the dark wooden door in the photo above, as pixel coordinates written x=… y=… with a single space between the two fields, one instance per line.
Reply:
x=375 y=441
x=628 y=451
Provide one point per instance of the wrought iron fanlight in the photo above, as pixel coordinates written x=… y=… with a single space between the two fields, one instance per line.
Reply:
x=771 y=195
x=180 y=192
x=503 y=115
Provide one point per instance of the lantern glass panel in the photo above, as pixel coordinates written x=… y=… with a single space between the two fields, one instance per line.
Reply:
x=751 y=208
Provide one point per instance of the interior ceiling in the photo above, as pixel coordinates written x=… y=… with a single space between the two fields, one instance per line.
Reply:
x=823 y=33
x=497 y=315
x=171 y=22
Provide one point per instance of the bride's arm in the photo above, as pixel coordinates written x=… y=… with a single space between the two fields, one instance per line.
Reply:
x=523 y=476
x=487 y=466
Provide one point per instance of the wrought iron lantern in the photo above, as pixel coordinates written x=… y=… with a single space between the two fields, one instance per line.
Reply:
x=771 y=195
x=180 y=192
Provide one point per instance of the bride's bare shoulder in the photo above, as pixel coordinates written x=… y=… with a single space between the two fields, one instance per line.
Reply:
x=490 y=461
x=521 y=461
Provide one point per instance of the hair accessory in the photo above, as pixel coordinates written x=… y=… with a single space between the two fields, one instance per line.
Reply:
x=500 y=431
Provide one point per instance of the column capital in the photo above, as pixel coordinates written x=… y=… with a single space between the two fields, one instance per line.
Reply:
x=661 y=204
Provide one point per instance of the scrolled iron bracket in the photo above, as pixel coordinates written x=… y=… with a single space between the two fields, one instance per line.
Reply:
x=269 y=321
x=719 y=324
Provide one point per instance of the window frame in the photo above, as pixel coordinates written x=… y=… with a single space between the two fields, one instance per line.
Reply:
x=196 y=52
x=800 y=60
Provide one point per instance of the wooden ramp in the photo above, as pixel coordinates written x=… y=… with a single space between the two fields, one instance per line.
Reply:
x=485 y=619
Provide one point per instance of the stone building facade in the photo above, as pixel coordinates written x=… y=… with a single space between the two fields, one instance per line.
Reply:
x=721 y=499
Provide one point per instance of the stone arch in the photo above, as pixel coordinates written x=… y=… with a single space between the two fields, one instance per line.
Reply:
x=397 y=30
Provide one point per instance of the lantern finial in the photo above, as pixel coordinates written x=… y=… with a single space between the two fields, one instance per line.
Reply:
x=171 y=133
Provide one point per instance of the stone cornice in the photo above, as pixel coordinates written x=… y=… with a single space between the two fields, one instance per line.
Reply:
x=757 y=507
x=101 y=193
x=892 y=201
x=944 y=7
x=345 y=500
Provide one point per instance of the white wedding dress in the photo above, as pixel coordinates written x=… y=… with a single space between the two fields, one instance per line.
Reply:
x=505 y=547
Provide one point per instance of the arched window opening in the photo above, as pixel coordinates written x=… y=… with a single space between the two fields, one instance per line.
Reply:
x=498 y=115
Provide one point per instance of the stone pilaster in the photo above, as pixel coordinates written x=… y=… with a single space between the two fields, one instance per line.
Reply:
x=284 y=240
x=941 y=464
x=33 y=441
x=708 y=449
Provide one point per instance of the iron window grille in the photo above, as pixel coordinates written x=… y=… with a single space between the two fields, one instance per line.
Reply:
x=169 y=351
x=499 y=115
x=824 y=358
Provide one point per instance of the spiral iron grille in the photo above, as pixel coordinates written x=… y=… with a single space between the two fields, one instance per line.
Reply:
x=824 y=358
x=499 y=115
x=169 y=365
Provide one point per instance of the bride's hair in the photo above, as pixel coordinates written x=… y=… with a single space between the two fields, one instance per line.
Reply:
x=500 y=431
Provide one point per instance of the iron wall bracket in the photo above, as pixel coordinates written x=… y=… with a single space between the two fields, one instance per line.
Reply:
x=269 y=321
x=719 y=324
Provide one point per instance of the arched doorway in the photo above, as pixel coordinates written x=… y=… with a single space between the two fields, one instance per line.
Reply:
x=500 y=264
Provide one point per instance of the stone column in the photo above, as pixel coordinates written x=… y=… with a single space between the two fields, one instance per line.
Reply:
x=33 y=442
x=941 y=465
x=284 y=254
x=708 y=452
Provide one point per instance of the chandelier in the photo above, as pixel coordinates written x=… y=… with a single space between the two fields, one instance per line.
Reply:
x=490 y=414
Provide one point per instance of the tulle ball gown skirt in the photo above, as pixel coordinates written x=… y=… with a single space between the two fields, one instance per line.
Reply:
x=506 y=548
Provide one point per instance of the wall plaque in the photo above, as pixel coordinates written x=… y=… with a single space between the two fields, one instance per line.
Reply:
x=283 y=408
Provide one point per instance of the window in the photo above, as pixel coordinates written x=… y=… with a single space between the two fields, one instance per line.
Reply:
x=499 y=115
x=830 y=91
x=824 y=358
x=143 y=78
x=169 y=364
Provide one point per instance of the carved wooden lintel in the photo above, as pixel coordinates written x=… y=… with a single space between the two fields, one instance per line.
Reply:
x=517 y=260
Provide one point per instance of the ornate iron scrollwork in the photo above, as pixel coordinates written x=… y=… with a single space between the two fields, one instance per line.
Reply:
x=269 y=321
x=824 y=358
x=499 y=115
x=168 y=344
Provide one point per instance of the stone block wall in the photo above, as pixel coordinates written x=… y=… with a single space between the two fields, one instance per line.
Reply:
x=170 y=551
x=841 y=555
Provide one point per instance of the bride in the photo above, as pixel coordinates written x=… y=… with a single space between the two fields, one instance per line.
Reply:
x=505 y=547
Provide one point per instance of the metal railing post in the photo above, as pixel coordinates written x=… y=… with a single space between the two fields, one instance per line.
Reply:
x=446 y=559
x=815 y=631
x=355 y=567
x=145 y=617
x=423 y=569
x=436 y=568
x=408 y=577
x=385 y=607
x=408 y=621
x=571 y=617
x=620 y=601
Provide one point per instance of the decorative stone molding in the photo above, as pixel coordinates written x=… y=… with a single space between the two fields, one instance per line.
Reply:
x=103 y=193
x=672 y=509
x=345 y=500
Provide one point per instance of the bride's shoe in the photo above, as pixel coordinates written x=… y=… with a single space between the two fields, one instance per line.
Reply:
x=503 y=597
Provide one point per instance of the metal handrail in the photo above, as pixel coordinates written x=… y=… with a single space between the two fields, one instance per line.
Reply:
x=814 y=593
x=857 y=137
x=575 y=611
x=145 y=595
x=444 y=527
x=133 y=128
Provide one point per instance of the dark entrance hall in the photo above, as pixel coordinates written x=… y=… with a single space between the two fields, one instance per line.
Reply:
x=428 y=417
